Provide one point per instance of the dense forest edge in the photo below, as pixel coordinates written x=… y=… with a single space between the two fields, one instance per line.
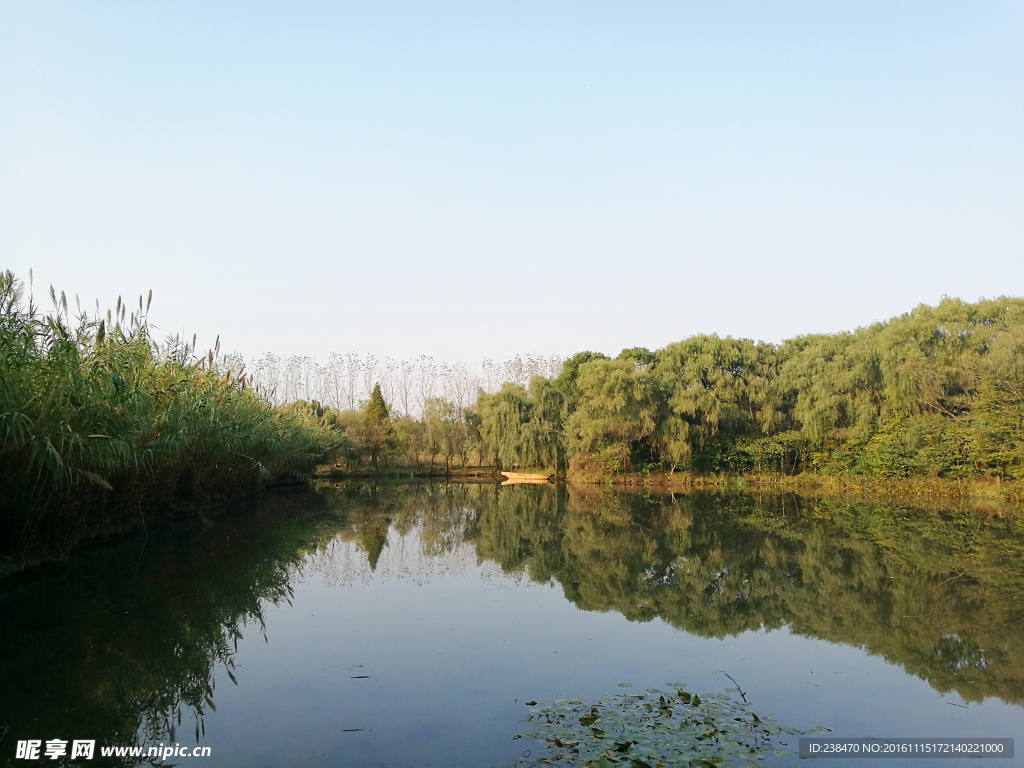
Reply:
x=104 y=429
x=930 y=403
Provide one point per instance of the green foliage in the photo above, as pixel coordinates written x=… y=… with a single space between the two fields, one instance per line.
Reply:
x=376 y=408
x=99 y=426
x=566 y=381
x=720 y=384
x=997 y=437
x=618 y=408
x=445 y=432
x=522 y=428
x=502 y=416
x=641 y=357
x=474 y=437
x=377 y=432
x=937 y=392
x=409 y=438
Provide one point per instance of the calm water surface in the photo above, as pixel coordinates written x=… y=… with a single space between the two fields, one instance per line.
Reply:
x=407 y=625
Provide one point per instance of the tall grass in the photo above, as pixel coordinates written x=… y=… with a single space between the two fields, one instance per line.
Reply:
x=102 y=429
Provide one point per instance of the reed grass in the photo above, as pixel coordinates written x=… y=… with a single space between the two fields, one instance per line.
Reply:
x=103 y=429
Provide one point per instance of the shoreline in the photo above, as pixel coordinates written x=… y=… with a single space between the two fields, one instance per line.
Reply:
x=986 y=496
x=976 y=497
x=409 y=473
x=981 y=495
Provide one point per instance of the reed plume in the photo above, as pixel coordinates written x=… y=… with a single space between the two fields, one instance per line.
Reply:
x=102 y=429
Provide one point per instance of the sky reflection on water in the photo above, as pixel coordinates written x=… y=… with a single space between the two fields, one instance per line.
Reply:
x=428 y=657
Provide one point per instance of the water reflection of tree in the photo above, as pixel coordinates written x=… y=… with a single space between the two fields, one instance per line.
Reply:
x=125 y=640
x=939 y=595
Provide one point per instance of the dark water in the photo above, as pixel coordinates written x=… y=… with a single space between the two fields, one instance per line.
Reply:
x=407 y=625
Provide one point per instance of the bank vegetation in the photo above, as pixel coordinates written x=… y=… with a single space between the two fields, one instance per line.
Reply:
x=104 y=429
x=935 y=396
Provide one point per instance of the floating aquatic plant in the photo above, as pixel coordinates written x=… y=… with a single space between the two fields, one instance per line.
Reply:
x=655 y=729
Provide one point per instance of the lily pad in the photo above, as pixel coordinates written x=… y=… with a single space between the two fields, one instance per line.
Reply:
x=672 y=729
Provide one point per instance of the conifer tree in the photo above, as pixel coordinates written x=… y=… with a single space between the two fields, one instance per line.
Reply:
x=377 y=423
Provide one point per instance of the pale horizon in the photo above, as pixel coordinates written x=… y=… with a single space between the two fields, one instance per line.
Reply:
x=467 y=182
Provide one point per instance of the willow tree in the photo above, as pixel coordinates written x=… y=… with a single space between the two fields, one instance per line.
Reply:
x=998 y=413
x=446 y=433
x=721 y=383
x=914 y=395
x=617 y=412
x=408 y=437
x=542 y=434
x=641 y=357
x=502 y=416
x=567 y=381
x=474 y=439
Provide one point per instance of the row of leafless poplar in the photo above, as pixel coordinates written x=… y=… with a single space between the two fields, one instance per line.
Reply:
x=343 y=381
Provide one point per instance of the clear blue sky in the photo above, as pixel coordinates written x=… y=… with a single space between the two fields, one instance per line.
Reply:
x=485 y=178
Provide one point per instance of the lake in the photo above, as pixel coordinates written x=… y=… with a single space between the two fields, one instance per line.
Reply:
x=408 y=624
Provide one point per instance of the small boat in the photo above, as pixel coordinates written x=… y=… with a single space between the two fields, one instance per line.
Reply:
x=517 y=478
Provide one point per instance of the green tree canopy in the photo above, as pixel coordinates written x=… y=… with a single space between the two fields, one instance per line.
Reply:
x=377 y=425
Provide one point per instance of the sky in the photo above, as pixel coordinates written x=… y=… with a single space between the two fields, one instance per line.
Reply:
x=469 y=180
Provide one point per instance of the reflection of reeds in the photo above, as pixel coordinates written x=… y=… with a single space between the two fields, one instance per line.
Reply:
x=149 y=625
x=98 y=423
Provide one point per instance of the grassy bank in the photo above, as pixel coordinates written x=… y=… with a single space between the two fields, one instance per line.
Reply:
x=476 y=473
x=987 y=496
x=984 y=495
x=102 y=429
x=406 y=471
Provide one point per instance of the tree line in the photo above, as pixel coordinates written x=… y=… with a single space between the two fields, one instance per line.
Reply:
x=938 y=392
x=102 y=428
